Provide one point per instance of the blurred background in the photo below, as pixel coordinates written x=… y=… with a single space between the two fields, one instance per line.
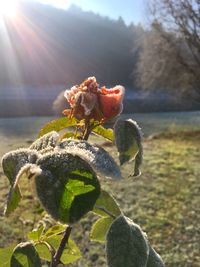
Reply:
x=150 y=47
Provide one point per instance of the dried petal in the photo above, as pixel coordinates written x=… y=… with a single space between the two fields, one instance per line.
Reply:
x=88 y=99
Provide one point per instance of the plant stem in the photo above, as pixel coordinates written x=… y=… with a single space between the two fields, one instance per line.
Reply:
x=64 y=241
x=87 y=129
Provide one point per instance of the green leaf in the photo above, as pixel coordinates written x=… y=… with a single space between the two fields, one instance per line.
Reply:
x=67 y=186
x=67 y=135
x=46 y=143
x=54 y=230
x=100 y=229
x=14 y=166
x=5 y=255
x=13 y=200
x=106 y=202
x=96 y=156
x=43 y=251
x=106 y=133
x=70 y=254
x=128 y=139
x=126 y=244
x=14 y=195
x=57 y=125
x=36 y=234
x=25 y=255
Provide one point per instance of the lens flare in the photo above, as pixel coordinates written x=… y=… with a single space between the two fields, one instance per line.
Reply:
x=8 y=8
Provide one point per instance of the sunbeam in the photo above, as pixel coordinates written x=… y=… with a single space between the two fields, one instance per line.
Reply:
x=28 y=56
x=8 y=8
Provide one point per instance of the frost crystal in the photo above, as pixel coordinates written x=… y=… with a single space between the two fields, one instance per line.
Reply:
x=126 y=244
x=99 y=159
x=13 y=161
x=46 y=143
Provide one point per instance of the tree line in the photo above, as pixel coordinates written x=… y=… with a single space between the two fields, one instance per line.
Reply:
x=51 y=46
x=170 y=56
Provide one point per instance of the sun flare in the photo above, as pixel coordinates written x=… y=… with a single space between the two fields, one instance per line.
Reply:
x=8 y=8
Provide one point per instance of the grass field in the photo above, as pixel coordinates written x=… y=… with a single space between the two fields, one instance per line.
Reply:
x=164 y=200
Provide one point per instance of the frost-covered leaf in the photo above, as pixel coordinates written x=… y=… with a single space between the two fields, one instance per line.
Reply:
x=25 y=255
x=154 y=259
x=104 y=132
x=128 y=139
x=57 y=125
x=14 y=164
x=106 y=204
x=46 y=143
x=67 y=186
x=14 y=160
x=126 y=244
x=95 y=155
x=100 y=229
x=14 y=195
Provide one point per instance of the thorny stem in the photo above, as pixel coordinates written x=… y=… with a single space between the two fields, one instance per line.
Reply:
x=64 y=241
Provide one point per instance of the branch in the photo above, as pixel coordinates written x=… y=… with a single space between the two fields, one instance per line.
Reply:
x=64 y=241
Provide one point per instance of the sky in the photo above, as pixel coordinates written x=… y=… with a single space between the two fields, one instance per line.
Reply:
x=130 y=10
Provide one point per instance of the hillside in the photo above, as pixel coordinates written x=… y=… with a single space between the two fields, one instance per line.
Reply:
x=44 y=46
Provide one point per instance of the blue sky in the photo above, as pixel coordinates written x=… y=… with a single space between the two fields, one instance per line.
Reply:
x=130 y=10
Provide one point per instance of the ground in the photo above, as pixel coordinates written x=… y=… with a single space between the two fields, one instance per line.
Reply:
x=164 y=200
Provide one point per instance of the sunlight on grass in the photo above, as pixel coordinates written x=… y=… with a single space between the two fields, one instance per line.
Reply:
x=164 y=201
